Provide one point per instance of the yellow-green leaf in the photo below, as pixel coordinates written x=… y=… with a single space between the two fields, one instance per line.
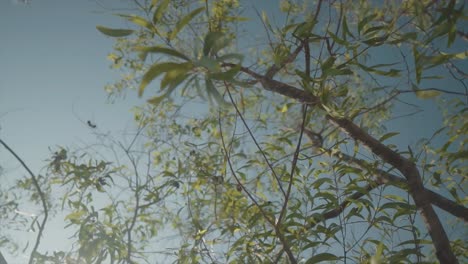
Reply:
x=328 y=63
x=158 y=99
x=173 y=78
x=427 y=94
x=116 y=33
x=211 y=64
x=75 y=215
x=157 y=69
x=322 y=257
x=158 y=13
x=215 y=41
x=139 y=21
x=163 y=50
x=365 y=21
x=184 y=21
x=388 y=135
x=213 y=92
x=227 y=75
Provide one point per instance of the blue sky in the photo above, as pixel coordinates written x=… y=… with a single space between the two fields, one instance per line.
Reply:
x=53 y=68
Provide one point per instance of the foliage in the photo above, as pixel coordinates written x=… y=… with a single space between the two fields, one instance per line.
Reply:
x=280 y=154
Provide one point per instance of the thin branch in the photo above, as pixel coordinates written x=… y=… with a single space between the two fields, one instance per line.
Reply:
x=293 y=167
x=234 y=174
x=274 y=69
x=280 y=236
x=41 y=196
x=384 y=177
x=254 y=140
x=433 y=89
x=2 y=259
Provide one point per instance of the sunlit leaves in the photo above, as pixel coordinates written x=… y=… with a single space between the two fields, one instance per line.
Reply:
x=159 y=68
x=226 y=184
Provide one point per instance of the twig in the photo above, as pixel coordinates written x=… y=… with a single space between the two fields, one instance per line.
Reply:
x=41 y=196
x=254 y=140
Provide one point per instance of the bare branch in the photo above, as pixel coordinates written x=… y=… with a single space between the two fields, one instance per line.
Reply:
x=41 y=196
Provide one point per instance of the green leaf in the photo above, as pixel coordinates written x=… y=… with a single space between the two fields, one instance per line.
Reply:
x=346 y=30
x=209 y=63
x=159 y=68
x=459 y=56
x=163 y=50
x=405 y=37
x=227 y=75
x=213 y=92
x=116 y=33
x=415 y=241
x=377 y=41
x=214 y=42
x=433 y=61
x=139 y=21
x=338 y=39
x=328 y=64
x=453 y=192
x=398 y=206
x=231 y=56
x=418 y=66
x=388 y=135
x=158 y=99
x=304 y=30
x=184 y=21
x=158 y=13
x=427 y=94
x=75 y=216
x=373 y=29
x=322 y=257
x=390 y=73
x=457 y=155
x=174 y=78
x=336 y=71
x=365 y=21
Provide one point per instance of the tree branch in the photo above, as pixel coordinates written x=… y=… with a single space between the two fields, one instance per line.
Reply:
x=2 y=259
x=41 y=196
x=406 y=167
x=433 y=197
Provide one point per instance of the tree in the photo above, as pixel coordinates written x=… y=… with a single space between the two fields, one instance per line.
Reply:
x=280 y=153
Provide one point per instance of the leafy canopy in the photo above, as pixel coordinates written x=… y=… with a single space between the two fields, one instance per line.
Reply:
x=266 y=136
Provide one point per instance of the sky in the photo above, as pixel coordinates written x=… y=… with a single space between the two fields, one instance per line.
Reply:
x=53 y=69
